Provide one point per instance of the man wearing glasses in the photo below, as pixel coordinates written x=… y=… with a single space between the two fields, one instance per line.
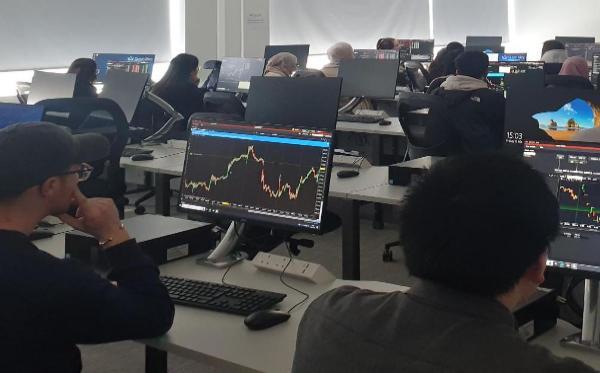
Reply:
x=50 y=305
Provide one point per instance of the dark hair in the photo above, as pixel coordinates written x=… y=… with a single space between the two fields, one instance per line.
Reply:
x=477 y=224
x=472 y=63
x=443 y=64
x=178 y=72
x=386 y=44
x=552 y=45
x=85 y=68
x=454 y=45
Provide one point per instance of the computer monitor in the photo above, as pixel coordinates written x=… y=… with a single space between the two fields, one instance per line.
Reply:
x=484 y=41
x=551 y=114
x=46 y=85
x=301 y=51
x=236 y=73
x=135 y=63
x=126 y=89
x=421 y=50
x=576 y=39
x=585 y=50
x=305 y=102
x=512 y=57
x=17 y=113
x=273 y=176
x=404 y=49
x=498 y=71
x=376 y=54
x=369 y=78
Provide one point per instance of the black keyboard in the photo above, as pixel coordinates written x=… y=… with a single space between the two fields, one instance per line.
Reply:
x=218 y=297
x=359 y=118
x=130 y=152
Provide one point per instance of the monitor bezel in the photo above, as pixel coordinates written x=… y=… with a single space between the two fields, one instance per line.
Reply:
x=259 y=222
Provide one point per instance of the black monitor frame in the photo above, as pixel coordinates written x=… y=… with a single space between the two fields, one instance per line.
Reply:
x=576 y=39
x=295 y=102
x=483 y=41
x=374 y=79
x=102 y=59
x=301 y=51
x=278 y=222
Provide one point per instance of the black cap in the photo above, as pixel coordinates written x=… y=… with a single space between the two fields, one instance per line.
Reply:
x=30 y=153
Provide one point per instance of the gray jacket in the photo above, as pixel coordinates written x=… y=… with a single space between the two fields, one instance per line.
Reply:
x=428 y=329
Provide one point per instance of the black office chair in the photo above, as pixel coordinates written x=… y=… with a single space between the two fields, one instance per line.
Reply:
x=96 y=115
x=568 y=81
x=210 y=84
x=435 y=84
x=552 y=68
x=224 y=103
x=417 y=76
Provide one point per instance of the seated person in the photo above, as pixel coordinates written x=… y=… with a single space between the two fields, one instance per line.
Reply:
x=281 y=65
x=472 y=269
x=85 y=69
x=553 y=51
x=336 y=53
x=51 y=305
x=179 y=86
x=574 y=73
x=443 y=63
x=476 y=113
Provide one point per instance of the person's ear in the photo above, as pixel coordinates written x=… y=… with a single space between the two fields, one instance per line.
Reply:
x=51 y=187
x=535 y=273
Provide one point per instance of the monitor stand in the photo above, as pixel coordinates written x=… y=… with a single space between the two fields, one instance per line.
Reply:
x=354 y=102
x=224 y=255
x=589 y=338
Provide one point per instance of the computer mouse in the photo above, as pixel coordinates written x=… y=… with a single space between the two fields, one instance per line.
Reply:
x=264 y=319
x=39 y=234
x=142 y=157
x=384 y=122
x=345 y=174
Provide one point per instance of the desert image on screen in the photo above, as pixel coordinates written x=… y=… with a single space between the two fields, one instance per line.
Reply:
x=571 y=120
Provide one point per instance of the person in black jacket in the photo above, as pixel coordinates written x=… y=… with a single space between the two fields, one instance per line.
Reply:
x=51 y=305
x=85 y=69
x=179 y=86
x=443 y=64
x=475 y=112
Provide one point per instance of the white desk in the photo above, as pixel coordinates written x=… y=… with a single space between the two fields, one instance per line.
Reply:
x=395 y=129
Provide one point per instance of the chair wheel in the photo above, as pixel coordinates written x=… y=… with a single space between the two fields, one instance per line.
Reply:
x=140 y=210
x=388 y=256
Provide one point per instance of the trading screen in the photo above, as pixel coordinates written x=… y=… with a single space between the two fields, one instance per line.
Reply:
x=134 y=63
x=573 y=174
x=268 y=175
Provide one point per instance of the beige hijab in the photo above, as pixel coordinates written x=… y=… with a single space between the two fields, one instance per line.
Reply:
x=282 y=64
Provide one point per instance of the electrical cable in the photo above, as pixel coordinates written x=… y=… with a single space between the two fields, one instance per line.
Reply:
x=306 y=296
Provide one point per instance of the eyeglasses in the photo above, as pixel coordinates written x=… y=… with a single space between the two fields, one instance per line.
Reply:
x=83 y=173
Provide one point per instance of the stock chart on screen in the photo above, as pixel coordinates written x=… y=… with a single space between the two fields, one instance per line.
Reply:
x=255 y=173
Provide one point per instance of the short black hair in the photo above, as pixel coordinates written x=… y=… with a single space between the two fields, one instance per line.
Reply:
x=472 y=63
x=550 y=45
x=454 y=45
x=386 y=44
x=85 y=68
x=478 y=223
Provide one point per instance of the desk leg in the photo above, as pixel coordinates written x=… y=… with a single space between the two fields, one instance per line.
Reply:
x=351 y=240
x=156 y=360
x=163 y=194
x=378 y=217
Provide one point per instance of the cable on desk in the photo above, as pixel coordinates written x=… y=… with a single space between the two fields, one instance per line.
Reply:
x=306 y=296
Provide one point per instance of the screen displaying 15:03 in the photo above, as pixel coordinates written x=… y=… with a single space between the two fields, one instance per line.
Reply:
x=255 y=173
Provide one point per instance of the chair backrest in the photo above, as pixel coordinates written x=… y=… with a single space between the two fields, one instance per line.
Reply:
x=423 y=119
x=210 y=84
x=417 y=75
x=223 y=103
x=436 y=83
x=568 y=81
x=552 y=68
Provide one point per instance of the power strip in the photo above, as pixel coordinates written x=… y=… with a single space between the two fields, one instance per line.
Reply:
x=299 y=269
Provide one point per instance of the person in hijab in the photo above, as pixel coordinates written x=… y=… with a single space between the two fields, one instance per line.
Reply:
x=85 y=70
x=179 y=86
x=336 y=53
x=281 y=65
x=575 y=66
x=553 y=51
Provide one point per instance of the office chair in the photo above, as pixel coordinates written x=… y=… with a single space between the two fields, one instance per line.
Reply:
x=417 y=76
x=435 y=84
x=224 y=103
x=568 y=81
x=552 y=68
x=425 y=133
x=96 y=115
x=308 y=73
x=210 y=84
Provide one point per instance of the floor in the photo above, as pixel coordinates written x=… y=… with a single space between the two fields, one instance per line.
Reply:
x=129 y=356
